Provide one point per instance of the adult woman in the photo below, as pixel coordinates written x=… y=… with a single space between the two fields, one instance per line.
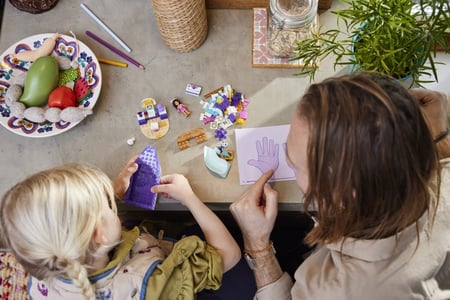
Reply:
x=366 y=160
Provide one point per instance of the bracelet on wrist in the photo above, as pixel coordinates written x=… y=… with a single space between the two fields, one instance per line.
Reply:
x=256 y=260
x=253 y=252
x=441 y=135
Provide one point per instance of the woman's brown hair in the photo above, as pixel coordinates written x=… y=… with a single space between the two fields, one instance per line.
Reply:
x=371 y=158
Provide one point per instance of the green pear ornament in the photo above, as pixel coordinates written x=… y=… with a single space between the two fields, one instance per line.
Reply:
x=41 y=79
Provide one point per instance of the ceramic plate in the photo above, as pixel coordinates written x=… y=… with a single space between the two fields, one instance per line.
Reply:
x=10 y=69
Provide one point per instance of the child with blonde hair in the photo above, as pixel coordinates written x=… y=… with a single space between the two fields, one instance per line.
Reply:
x=62 y=226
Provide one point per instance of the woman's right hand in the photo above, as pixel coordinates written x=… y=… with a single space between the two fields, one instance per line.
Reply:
x=255 y=212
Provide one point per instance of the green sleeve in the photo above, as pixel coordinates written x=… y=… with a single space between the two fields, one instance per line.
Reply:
x=191 y=267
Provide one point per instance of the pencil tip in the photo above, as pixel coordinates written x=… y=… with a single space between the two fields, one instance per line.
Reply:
x=141 y=67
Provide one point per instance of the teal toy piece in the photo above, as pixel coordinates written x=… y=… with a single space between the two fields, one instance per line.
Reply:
x=214 y=163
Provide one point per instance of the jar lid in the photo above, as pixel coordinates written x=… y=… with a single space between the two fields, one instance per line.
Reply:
x=294 y=13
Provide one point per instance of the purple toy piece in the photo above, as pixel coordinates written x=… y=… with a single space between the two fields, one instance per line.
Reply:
x=235 y=99
x=220 y=134
x=162 y=111
x=142 y=119
x=223 y=105
x=243 y=114
x=147 y=175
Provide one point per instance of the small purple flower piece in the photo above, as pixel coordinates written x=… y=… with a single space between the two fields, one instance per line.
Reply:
x=220 y=134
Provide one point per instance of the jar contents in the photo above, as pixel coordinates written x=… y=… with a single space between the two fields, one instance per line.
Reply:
x=289 y=21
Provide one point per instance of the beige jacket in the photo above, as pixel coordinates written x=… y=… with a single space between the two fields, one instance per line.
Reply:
x=377 y=269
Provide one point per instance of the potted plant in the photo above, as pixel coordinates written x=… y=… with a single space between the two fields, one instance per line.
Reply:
x=398 y=38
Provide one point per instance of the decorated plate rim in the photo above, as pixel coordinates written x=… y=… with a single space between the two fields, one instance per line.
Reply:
x=88 y=63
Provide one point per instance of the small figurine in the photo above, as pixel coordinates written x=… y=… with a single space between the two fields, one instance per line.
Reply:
x=222 y=151
x=180 y=107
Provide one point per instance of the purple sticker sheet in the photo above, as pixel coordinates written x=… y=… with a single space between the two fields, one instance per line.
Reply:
x=147 y=175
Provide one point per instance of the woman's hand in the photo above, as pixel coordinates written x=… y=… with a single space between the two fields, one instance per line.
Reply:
x=255 y=212
x=122 y=181
x=175 y=186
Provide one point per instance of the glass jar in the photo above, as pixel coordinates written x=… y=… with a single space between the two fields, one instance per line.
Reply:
x=289 y=21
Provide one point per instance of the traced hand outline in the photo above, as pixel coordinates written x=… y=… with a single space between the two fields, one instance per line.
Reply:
x=268 y=153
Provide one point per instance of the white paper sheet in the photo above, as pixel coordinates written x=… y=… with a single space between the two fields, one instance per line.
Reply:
x=259 y=149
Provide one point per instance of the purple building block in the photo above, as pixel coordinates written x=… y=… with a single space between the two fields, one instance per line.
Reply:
x=223 y=105
x=235 y=99
x=162 y=111
x=232 y=118
x=207 y=120
x=142 y=119
x=147 y=175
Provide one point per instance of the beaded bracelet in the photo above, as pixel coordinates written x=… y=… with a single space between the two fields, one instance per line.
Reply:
x=441 y=135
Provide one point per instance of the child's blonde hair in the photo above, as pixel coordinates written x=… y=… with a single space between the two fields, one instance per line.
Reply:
x=48 y=221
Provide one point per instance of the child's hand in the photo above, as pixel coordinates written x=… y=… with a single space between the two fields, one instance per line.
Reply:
x=122 y=181
x=175 y=186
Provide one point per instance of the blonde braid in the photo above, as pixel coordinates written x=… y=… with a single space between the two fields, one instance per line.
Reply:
x=77 y=272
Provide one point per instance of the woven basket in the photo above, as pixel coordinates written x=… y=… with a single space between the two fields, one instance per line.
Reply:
x=34 y=6
x=182 y=23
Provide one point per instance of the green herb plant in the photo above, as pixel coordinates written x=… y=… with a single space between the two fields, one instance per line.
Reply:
x=398 y=38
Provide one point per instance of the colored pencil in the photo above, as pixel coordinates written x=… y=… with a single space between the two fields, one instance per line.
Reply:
x=113 y=62
x=105 y=27
x=114 y=49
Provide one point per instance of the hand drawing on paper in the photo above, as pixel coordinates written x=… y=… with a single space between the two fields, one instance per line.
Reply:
x=258 y=150
x=267 y=155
